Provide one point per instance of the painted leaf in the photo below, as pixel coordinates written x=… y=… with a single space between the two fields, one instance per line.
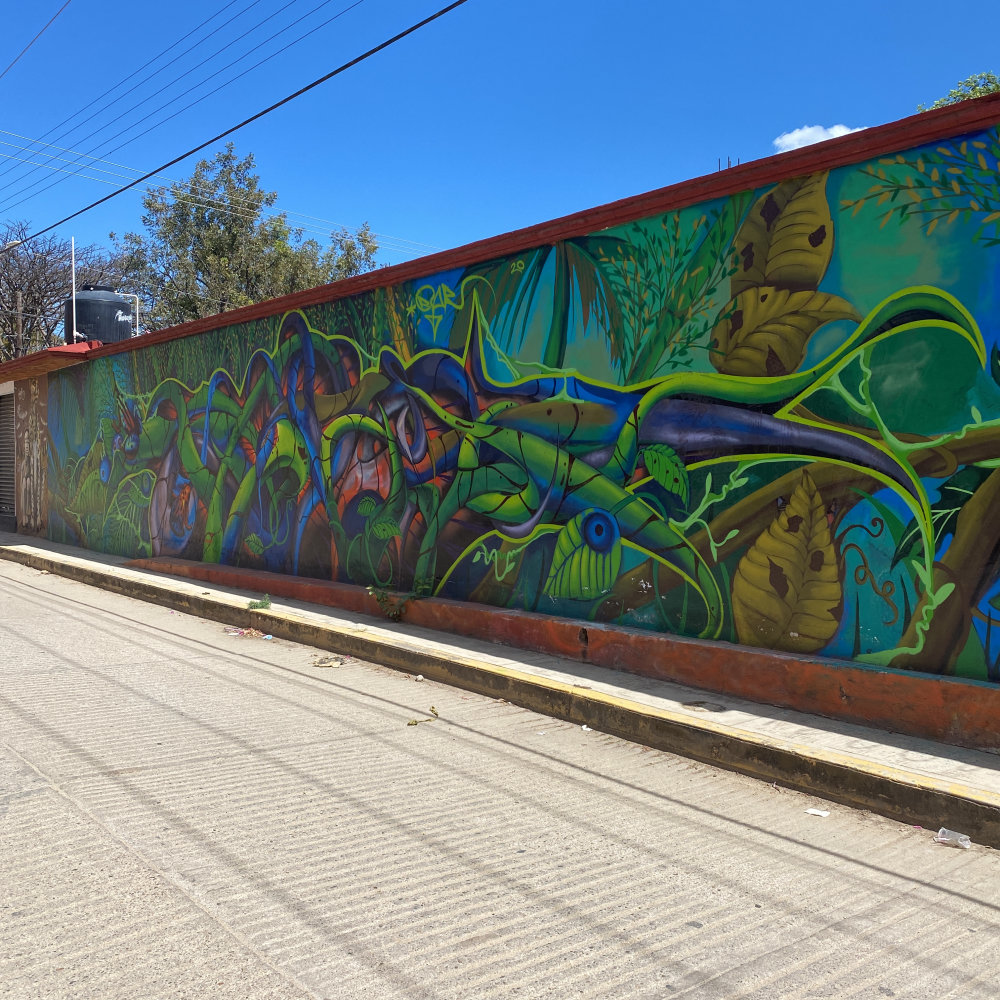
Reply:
x=91 y=496
x=587 y=557
x=955 y=493
x=664 y=465
x=254 y=544
x=366 y=506
x=786 y=239
x=766 y=332
x=787 y=590
x=922 y=336
x=385 y=527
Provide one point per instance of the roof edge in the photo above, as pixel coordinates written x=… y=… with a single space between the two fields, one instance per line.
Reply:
x=915 y=130
x=47 y=360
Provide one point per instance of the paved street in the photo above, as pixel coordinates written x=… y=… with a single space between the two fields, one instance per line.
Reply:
x=190 y=814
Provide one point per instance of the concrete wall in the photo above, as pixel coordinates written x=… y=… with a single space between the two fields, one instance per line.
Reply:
x=770 y=417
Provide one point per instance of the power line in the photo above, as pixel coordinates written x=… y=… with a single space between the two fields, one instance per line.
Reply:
x=392 y=244
x=386 y=240
x=260 y=114
x=35 y=39
x=249 y=69
x=146 y=64
x=7 y=206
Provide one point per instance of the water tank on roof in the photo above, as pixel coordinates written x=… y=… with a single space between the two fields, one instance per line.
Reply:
x=101 y=314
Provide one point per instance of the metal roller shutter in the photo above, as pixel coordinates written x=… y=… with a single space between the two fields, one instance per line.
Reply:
x=8 y=520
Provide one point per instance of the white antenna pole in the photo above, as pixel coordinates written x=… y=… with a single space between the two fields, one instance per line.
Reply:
x=72 y=257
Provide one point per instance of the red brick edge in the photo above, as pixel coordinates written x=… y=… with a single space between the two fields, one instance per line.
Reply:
x=948 y=709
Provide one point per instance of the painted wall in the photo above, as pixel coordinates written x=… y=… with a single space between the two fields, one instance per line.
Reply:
x=31 y=436
x=771 y=418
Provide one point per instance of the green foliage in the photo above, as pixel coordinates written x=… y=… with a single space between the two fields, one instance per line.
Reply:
x=210 y=245
x=666 y=467
x=254 y=544
x=561 y=282
x=977 y=85
x=261 y=605
x=668 y=284
x=955 y=493
x=384 y=528
x=579 y=570
x=953 y=182
x=392 y=606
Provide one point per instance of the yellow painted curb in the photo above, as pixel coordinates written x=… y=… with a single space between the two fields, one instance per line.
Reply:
x=854 y=781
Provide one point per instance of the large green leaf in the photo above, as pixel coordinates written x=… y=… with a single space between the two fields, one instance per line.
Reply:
x=915 y=357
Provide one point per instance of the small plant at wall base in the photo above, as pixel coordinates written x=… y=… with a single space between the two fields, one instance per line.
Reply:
x=393 y=605
x=260 y=605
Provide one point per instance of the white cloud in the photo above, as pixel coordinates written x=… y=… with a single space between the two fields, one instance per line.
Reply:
x=809 y=134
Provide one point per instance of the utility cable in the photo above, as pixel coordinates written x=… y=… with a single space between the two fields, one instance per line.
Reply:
x=144 y=66
x=35 y=39
x=260 y=114
x=7 y=206
x=241 y=207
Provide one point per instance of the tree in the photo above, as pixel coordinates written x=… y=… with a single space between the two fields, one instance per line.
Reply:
x=977 y=85
x=210 y=245
x=35 y=281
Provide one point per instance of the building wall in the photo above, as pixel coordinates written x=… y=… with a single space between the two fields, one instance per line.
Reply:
x=8 y=474
x=31 y=434
x=771 y=418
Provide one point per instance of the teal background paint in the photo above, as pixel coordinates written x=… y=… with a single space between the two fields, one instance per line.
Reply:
x=758 y=419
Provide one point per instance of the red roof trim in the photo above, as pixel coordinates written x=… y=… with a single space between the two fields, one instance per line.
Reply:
x=51 y=359
x=959 y=119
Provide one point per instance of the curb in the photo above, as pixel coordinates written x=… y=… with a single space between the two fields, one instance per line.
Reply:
x=888 y=791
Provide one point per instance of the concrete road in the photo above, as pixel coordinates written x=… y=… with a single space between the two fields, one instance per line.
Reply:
x=190 y=814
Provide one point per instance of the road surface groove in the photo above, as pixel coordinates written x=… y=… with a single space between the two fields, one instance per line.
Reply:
x=188 y=814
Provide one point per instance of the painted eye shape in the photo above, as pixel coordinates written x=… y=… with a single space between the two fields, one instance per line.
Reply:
x=105 y=469
x=599 y=530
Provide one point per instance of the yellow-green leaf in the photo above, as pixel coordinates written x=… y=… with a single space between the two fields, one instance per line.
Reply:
x=766 y=331
x=587 y=557
x=787 y=237
x=666 y=467
x=787 y=591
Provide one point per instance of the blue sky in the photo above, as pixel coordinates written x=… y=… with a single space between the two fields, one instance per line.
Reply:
x=502 y=114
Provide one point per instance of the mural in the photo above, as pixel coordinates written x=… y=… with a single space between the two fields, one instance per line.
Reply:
x=31 y=414
x=772 y=419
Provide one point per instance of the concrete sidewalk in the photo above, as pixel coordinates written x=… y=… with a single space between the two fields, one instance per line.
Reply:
x=902 y=777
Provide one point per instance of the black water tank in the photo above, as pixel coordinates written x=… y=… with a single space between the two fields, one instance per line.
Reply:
x=101 y=314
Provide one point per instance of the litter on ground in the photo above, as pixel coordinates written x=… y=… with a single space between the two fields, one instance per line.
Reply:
x=952 y=839
x=247 y=633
